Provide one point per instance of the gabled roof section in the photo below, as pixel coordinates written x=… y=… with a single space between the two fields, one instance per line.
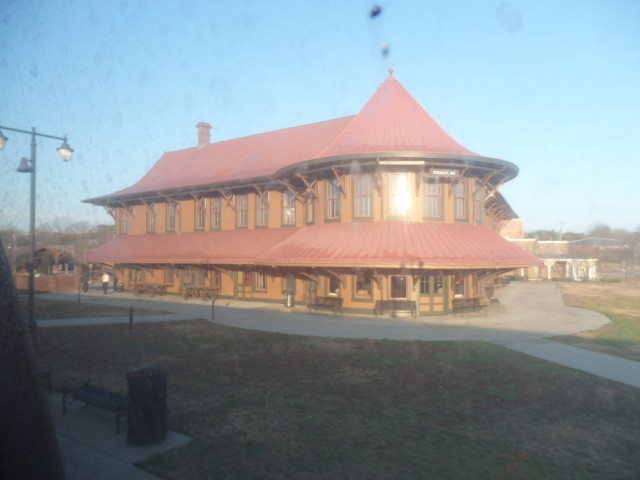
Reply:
x=393 y=121
x=235 y=160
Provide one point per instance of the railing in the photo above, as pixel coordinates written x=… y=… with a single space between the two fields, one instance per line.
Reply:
x=48 y=283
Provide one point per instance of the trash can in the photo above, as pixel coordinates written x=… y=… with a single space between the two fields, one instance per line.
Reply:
x=289 y=300
x=147 y=419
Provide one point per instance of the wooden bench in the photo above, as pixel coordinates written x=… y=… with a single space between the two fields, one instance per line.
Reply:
x=150 y=289
x=395 y=306
x=329 y=303
x=461 y=305
x=82 y=390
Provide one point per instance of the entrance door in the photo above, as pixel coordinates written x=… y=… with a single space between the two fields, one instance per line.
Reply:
x=398 y=287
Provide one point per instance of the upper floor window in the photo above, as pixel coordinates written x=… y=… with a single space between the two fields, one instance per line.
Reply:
x=432 y=198
x=288 y=208
x=460 y=199
x=123 y=220
x=242 y=211
x=262 y=210
x=399 y=195
x=310 y=206
x=151 y=218
x=333 y=200
x=216 y=212
x=362 y=196
x=171 y=217
x=201 y=213
x=478 y=205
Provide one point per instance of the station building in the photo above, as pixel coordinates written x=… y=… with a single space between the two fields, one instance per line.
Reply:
x=380 y=205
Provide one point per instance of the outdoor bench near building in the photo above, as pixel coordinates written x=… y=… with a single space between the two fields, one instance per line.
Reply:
x=382 y=206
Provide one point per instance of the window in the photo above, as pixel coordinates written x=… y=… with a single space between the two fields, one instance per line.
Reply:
x=310 y=206
x=334 y=286
x=399 y=195
x=136 y=275
x=123 y=220
x=362 y=196
x=262 y=210
x=290 y=283
x=242 y=211
x=288 y=208
x=200 y=278
x=363 y=285
x=460 y=200
x=398 y=287
x=171 y=217
x=261 y=282
x=168 y=276
x=151 y=218
x=247 y=279
x=431 y=285
x=458 y=289
x=216 y=212
x=432 y=198
x=333 y=200
x=478 y=205
x=201 y=213
x=216 y=280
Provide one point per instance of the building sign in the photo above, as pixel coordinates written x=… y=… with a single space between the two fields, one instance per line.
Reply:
x=444 y=172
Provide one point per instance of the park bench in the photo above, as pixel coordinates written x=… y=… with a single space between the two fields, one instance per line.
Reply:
x=461 y=305
x=329 y=303
x=82 y=390
x=204 y=293
x=150 y=289
x=395 y=306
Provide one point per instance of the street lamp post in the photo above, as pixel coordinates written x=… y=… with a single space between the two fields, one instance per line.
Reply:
x=29 y=166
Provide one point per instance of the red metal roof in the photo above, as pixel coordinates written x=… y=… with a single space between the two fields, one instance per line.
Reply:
x=231 y=160
x=392 y=121
x=213 y=247
x=396 y=245
x=384 y=244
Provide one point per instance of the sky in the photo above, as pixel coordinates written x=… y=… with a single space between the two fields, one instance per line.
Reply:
x=551 y=86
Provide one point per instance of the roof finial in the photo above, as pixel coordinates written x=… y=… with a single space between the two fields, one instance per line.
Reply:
x=391 y=71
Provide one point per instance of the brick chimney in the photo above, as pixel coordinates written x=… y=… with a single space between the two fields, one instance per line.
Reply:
x=204 y=134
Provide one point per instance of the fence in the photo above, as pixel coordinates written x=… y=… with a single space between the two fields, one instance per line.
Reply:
x=48 y=283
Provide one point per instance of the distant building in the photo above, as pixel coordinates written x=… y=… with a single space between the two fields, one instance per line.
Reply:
x=380 y=205
x=559 y=259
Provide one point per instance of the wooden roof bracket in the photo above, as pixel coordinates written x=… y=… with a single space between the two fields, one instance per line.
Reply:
x=340 y=177
x=377 y=179
x=301 y=198
x=453 y=184
x=419 y=179
x=495 y=187
x=311 y=186
x=338 y=276
x=171 y=201
x=262 y=193
x=228 y=198
x=128 y=208
x=110 y=210
x=487 y=179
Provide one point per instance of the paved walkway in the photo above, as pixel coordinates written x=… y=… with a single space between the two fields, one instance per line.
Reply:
x=528 y=314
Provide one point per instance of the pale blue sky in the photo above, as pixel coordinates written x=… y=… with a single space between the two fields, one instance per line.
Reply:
x=552 y=86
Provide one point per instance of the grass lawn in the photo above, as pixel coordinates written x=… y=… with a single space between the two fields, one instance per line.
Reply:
x=264 y=405
x=45 y=309
x=621 y=303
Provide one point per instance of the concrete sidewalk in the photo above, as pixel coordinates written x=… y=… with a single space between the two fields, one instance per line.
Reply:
x=90 y=447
